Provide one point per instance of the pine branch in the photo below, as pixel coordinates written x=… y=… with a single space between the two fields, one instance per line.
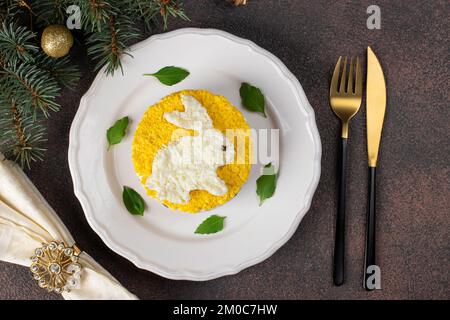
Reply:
x=95 y=14
x=62 y=70
x=30 y=81
x=3 y=11
x=111 y=25
x=17 y=7
x=29 y=84
x=21 y=137
x=33 y=89
x=16 y=44
x=149 y=11
x=172 y=8
x=108 y=46
x=49 y=11
x=146 y=10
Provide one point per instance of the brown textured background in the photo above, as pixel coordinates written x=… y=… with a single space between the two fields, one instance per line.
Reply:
x=413 y=177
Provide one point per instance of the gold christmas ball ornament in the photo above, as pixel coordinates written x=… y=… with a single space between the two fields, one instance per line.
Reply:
x=56 y=40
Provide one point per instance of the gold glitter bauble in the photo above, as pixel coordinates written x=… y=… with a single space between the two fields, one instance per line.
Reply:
x=56 y=40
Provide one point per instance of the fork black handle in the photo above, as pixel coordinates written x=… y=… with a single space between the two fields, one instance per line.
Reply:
x=369 y=257
x=339 y=243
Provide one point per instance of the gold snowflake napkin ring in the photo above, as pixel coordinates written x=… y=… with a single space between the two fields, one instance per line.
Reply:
x=55 y=267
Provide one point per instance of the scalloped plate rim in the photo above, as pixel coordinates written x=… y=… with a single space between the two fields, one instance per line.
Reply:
x=185 y=275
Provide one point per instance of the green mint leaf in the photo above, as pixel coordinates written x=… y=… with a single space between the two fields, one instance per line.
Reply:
x=252 y=98
x=170 y=75
x=266 y=183
x=116 y=133
x=133 y=201
x=213 y=224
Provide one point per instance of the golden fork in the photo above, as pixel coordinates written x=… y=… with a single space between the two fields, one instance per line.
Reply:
x=345 y=100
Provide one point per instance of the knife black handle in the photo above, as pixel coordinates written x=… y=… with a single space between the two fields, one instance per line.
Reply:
x=339 y=243
x=369 y=257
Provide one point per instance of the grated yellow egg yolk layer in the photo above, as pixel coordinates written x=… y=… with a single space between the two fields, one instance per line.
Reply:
x=154 y=132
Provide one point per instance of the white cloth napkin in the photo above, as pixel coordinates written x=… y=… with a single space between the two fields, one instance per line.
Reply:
x=27 y=221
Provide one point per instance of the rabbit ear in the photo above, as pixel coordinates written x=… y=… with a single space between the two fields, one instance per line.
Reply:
x=193 y=117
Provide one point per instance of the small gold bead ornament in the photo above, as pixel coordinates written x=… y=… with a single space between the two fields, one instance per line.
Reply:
x=238 y=2
x=55 y=267
x=56 y=40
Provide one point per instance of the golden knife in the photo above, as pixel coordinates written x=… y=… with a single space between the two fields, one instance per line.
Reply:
x=376 y=107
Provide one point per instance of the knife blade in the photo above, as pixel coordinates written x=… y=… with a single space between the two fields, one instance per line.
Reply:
x=375 y=104
x=375 y=110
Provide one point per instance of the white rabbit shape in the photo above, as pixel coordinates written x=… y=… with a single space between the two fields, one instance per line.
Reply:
x=190 y=163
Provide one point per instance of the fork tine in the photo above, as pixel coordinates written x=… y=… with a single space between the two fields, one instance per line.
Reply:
x=335 y=79
x=358 y=86
x=343 y=77
x=350 y=77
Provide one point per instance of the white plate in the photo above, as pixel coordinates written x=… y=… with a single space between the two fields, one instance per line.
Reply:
x=163 y=241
